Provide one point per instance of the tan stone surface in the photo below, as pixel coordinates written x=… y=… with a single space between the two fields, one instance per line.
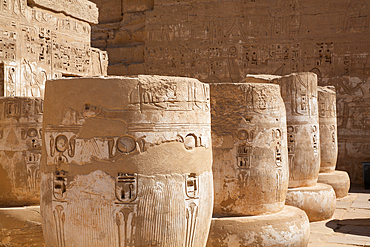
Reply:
x=339 y=180
x=21 y=227
x=299 y=92
x=223 y=40
x=349 y=227
x=20 y=153
x=250 y=156
x=328 y=128
x=290 y=227
x=81 y=9
x=38 y=44
x=127 y=161
x=317 y=201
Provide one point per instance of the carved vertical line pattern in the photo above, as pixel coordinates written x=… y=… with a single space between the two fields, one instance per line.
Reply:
x=91 y=227
x=59 y=218
x=160 y=213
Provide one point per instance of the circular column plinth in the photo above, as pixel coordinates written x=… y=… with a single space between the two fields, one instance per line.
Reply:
x=290 y=227
x=318 y=201
x=339 y=180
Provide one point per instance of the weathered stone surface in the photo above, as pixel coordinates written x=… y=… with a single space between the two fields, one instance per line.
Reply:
x=216 y=41
x=20 y=152
x=21 y=227
x=290 y=227
x=250 y=156
x=299 y=92
x=127 y=161
x=328 y=128
x=339 y=180
x=317 y=201
x=37 y=44
x=80 y=9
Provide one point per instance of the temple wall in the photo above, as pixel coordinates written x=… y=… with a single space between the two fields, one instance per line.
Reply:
x=38 y=43
x=222 y=41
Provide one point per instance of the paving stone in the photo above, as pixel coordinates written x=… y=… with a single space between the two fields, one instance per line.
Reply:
x=339 y=213
x=344 y=204
x=318 y=239
x=347 y=239
x=321 y=228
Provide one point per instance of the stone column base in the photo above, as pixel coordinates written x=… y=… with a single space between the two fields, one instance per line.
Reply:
x=339 y=180
x=318 y=201
x=21 y=227
x=289 y=227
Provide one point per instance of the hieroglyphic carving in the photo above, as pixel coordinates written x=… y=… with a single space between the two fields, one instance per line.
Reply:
x=244 y=156
x=291 y=148
x=126 y=194
x=315 y=139
x=36 y=45
x=63 y=146
x=126 y=187
x=192 y=207
x=125 y=220
x=60 y=185
x=123 y=144
x=33 y=170
x=300 y=96
x=59 y=219
x=277 y=137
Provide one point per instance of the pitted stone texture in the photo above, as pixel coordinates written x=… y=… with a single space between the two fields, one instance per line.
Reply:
x=290 y=227
x=299 y=92
x=127 y=161
x=318 y=201
x=80 y=9
x=21 y=227
x=328 y=128
x=250 y=156
x=20 y=150
x=339 y=180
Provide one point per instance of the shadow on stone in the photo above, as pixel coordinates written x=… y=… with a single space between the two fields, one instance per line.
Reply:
x=351 y=226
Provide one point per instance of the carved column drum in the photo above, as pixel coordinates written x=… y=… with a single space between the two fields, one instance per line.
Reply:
x=20 y=150
x=299 y=92
x=250 y=156
x=328 y=128
x=126 y=162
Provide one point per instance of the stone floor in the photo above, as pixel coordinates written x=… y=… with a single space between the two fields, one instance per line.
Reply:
x=350 y=225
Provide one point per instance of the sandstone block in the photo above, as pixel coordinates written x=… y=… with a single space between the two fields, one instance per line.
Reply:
x=20 y=150
x=339 y=180
x=80 y=9
x=250 y=156
x=317 y=201
x=290 y=227
x=127 y=161
x=328 y=128
x=109 y=11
